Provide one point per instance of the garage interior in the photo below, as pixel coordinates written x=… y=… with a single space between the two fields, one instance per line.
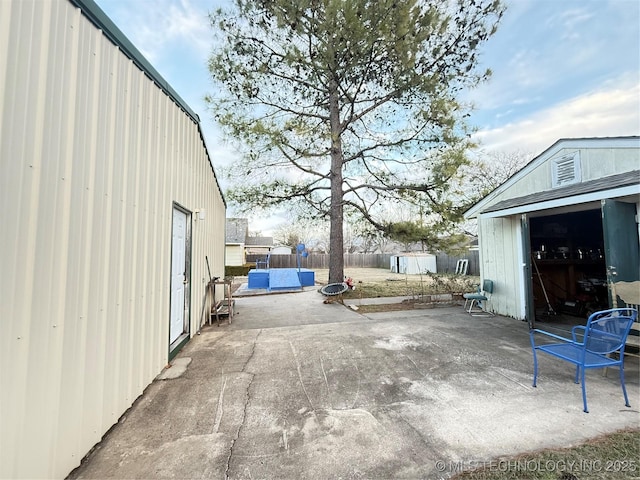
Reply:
x=568 y=264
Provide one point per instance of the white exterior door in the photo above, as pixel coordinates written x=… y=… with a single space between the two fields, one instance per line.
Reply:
x=178 y=275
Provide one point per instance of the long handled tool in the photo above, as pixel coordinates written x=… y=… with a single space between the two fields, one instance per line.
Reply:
x=210 y=286
x=550 y=309
x=208 y=268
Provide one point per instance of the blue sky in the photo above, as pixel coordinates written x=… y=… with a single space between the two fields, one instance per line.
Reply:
x=561 y=69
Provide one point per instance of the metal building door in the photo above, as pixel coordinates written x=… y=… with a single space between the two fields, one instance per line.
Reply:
x=179 y=276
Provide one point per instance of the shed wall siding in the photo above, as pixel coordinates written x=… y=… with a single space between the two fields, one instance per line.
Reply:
x=500 y=262
x=599 y=162
x=93 y=156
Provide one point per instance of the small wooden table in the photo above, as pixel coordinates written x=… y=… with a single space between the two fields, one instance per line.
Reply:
x=224 y=306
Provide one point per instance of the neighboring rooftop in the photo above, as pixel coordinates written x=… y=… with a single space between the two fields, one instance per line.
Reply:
x=237 y=230
x=259 y=241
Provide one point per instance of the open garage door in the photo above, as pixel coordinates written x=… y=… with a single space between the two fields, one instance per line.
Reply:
x=620 y=227
x=530 y=311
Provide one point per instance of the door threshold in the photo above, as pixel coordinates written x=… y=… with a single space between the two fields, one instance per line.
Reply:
x=177 y=345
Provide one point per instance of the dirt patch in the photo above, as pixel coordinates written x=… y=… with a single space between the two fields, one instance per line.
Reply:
x=370 y=275
x=385 y=307
x=408 y=304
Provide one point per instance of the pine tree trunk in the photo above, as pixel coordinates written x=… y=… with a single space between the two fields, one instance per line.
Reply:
x=336 y=240
x=336 y=237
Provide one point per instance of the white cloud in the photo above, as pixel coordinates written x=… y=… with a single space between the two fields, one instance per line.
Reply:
x=155 y=26
x=571 y=19
x=610 y=111
x=546 y=51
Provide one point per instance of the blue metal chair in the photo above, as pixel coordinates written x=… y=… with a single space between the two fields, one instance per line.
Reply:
x=476 y=299
x=264 y=262
x=602 y=345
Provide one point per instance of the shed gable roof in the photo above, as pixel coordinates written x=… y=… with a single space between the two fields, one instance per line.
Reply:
x=606 y=183
x=486 y=205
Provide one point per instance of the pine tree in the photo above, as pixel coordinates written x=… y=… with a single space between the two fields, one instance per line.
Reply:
x=341 y=104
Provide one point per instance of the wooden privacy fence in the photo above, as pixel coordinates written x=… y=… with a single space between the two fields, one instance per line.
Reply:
x=444 y=263
x=447 y=263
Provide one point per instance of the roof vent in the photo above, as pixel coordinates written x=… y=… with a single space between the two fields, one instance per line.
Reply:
x=566 y=170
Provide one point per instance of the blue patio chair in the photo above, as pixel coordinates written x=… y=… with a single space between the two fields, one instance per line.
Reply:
x=263 y=261
x=477 y=299
x=602 y=345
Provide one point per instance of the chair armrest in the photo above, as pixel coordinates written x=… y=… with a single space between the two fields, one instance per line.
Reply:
x=574 y=332
x=552 y=335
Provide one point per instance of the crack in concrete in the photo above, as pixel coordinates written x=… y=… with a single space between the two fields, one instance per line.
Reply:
x=428 y=444
x=326 y=382
x=253 y=350
x=355 y=398
x=220 y=408
x=422 y=374
x=298 y=368
x=246 y=405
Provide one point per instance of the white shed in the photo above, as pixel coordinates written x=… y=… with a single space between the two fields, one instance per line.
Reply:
x=110 y=211
x=413 y=263
x=281 y=250
x=563 y=228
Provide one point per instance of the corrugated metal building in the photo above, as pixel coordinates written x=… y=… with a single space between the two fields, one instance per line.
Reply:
x=562 y=227
x=109 y=207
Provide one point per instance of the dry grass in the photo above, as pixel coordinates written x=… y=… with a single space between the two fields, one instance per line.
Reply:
x=380 y=282
x=614 y=456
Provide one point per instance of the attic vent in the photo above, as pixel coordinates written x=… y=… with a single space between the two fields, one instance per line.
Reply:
x=566 y=170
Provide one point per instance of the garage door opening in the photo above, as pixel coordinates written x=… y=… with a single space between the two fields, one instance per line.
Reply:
x=569 y=267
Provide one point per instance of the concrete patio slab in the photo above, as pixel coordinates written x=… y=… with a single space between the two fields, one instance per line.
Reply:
x=298 y=389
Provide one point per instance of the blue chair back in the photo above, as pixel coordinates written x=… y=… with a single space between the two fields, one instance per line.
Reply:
x=606 y=331
x=487 y=286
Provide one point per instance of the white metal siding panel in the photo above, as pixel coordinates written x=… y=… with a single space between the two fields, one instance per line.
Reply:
x=92 y=155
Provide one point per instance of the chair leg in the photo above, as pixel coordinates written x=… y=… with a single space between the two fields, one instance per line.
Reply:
x=535 y=368
x=624 y=390
x=577 y=373
x=584 y=391
x=473 y=302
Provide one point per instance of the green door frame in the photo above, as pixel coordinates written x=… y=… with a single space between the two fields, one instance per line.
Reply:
x=530 y=311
